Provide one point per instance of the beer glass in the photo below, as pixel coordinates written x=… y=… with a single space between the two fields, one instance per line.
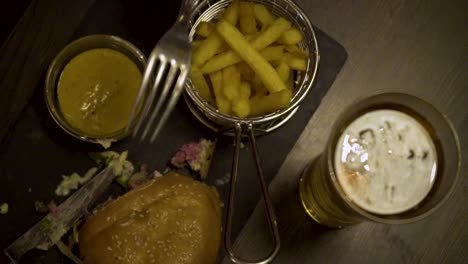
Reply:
x=386 y=172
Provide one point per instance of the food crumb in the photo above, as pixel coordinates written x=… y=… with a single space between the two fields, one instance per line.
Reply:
x=197 y=155
x=105 y=143
x=242 y=145
x=4 y=208
x=41 y=207
x=72 y=182
x=53 y=209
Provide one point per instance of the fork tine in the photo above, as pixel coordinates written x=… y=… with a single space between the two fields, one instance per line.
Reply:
x=143 y=88
x=164 y=93
x=152 y=95
x=172 y=101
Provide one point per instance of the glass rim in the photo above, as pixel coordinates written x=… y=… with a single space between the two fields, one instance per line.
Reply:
x=342 y=123
x=63 y=57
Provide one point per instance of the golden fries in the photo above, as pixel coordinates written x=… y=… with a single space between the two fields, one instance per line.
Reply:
x=257 y=63
x=221 y=61
x=229 y=58
x=296 y=63
x=258 y=87
x=213 y=43
x=291 y=37
x=222 y=103
x=231 y=83
x=245 y=90
x=245 y=71
x=251 y=72
x=207 y=49
x=283 y=71
x=247 y=23
x=261 y=105
x=196 y=44
x=265 y=38
x=231 y=14
x=271 y=34
x=241 y=105
x=296 y=51
x=272 y=53
x=263 y=15
x=204 y=29
x=200 y=84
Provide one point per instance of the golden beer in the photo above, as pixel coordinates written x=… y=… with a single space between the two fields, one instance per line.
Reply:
x=321 y=201
x=392 y=158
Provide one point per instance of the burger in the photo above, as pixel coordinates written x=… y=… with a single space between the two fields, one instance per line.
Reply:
x=171 y=219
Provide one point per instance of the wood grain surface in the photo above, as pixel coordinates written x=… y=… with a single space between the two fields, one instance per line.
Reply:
x=43 y=30
x=413 y=46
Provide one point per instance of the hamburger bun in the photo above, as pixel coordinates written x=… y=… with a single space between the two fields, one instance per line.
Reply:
x=172 y=219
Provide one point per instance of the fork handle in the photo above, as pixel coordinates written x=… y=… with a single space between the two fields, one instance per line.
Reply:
x=270 y=213
x=186 y=8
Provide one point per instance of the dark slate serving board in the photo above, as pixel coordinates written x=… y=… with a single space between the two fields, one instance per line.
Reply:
x=37 y=152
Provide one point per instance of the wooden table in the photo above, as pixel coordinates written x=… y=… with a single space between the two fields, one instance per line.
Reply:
x=413 y=46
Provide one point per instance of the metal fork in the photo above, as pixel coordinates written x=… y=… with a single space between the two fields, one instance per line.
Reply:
x=164 y=77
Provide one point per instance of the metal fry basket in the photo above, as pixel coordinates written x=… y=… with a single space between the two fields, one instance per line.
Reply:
x=254 y=126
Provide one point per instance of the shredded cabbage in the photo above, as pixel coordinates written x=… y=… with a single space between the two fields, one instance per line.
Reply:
x=4 y=208
x=72 y=182
x=67 y=252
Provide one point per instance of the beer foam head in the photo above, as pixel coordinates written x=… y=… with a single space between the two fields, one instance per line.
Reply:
x=385 y=162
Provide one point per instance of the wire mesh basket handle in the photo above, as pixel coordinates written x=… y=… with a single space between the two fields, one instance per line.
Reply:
x=270 y=213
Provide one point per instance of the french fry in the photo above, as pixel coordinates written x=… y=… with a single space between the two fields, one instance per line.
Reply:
x=221 y=61
x=229 y=58
x=252 y=57
x=261 y=105
x=225 y=47
x=272 y=53
x=262 y=40
x=291 y=37
x=207 y=49
x=296 y=51
x=241 y=106
x=245 y=71
x=258 y=87
x=295 y=62
x=263 y=15
x=245 y=90
x=213 y=43
x=247 y=23
x=275 y=63
x=204 y=29
x=271 y=33
x=200 y=84
x=231 y=14
x=283 y=71
x=231 y=83
x=251 y=37
x=223 y=104
x=196 y=44
x=248 y=75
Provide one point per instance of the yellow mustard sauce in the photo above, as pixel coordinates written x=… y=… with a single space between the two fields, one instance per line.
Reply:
x=96 y=91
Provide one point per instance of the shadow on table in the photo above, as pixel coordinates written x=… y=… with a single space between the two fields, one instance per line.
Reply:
x=292 y=218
